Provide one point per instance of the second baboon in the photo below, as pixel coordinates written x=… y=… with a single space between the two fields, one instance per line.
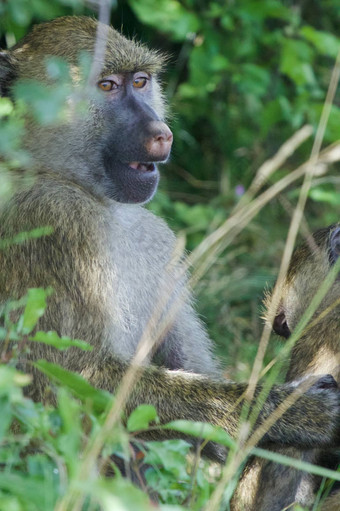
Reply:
x=317 y=351
x=110 y=261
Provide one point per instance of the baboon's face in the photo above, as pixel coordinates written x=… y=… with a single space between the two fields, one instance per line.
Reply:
x=134 y=138
x=112 y=145
x=309 y=267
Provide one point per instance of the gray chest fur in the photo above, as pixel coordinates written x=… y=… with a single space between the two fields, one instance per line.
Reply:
x=142 y=285
x=115 y=271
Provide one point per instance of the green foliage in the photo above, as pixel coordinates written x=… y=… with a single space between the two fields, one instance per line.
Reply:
x=11 y=129
x=49 y=105
x=46 y=105
x=62 y=343
x=21 y=237
x=170 y=14
x=202 y=430
x=34 y=309
x=100 y=400
x=171 y=479
x=320 y=195
x=141 y=417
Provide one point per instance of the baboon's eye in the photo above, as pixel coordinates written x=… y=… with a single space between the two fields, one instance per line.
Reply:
x=139 y=82
x=107 y=85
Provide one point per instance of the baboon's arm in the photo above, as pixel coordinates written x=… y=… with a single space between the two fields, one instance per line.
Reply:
x=178 y=395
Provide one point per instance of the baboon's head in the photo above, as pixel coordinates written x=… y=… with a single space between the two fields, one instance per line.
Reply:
x=310 y=265
x=111 y=132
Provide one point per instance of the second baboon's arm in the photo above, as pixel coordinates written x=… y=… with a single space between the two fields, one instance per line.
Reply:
x=181 y=395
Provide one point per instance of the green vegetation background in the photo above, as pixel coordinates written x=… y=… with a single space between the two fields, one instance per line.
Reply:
x=242 y=77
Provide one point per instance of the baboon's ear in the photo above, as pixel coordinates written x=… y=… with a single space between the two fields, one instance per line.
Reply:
x=7 y=72
x=335 y=245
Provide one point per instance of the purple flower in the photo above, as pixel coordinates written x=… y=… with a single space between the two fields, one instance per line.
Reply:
x=239 y=190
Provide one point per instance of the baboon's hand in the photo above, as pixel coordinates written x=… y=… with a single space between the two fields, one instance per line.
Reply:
x=328 y=389
x=323 y=408
x=324 y=382
x=313 y=419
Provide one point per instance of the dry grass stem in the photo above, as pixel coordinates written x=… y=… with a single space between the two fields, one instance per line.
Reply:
x=104 y=9
x=274 y=163
x=207 y=251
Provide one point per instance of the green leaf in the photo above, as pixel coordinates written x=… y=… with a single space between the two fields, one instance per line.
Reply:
x=318 y=195
x=262 y=9
x=325 y=43
x=46 y=104
x=6 y=107
x=198 y=216
x=20 y=12
x=24 y=236
x=170 y=16
x=314 y=113
x=3 y=333
x=119 y=494
x=5 y=416
x=296 y=60
x=77 y=384
x=206 y=66
x=11 y=378
x=61 y=343
x=273 y=112
x=201 y=430
x=28 y=489
x=169 y=454
x=252 y=79
x=70 y=438
x=35 y=308
x=141 y=417
x=296 y=463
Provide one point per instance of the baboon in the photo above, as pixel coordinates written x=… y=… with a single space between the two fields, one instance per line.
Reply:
x=316 y=352
x=111 y=262
x=318 y=349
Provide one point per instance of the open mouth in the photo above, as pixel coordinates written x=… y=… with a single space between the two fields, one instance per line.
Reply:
x=142 y=167
x=130 y=182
